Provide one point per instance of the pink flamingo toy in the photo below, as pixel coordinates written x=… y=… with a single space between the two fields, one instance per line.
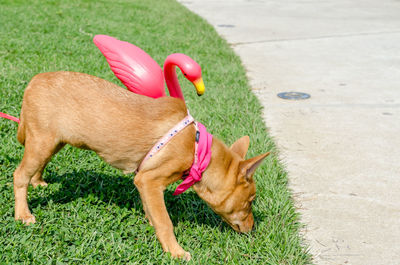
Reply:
x=142 y=75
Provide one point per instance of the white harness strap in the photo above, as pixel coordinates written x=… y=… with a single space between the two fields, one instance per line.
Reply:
x=167 y=137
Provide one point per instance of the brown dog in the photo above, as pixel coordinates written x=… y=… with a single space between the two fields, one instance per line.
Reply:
x=88 y=112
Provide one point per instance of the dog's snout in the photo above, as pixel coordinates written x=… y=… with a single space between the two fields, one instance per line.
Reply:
x=247 y=225
x=244 y=226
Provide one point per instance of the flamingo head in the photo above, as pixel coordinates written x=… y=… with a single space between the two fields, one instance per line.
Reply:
x=190 y=69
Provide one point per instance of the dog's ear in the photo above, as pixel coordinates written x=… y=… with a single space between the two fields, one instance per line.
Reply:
x=241 y=146
x=249 y=166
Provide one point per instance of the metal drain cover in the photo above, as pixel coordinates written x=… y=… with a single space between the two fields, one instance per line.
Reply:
x=294 y=95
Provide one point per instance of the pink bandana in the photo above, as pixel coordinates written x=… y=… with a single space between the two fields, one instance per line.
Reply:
x=202 y=158
x=202 y=151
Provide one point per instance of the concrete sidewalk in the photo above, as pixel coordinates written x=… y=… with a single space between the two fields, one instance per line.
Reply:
x=341 y=146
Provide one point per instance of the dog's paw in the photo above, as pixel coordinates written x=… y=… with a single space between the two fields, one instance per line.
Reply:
x=39 y=183
x=187 y=256
x=26 y=219
x=182 y=255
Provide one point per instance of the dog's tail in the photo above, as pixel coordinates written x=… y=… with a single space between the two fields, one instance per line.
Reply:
x=6 y=116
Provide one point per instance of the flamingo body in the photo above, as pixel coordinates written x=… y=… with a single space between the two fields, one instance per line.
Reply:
x=133 y=66
x=142 y=75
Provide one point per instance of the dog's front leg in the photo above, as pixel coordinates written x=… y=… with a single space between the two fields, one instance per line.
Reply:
x=152 y=195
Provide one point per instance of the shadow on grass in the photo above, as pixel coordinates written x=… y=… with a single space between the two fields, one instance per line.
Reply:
x=121 y=192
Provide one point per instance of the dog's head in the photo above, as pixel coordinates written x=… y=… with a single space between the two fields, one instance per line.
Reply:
x=228 y=186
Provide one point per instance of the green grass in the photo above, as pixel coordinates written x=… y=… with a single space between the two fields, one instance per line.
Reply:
x=90 y=212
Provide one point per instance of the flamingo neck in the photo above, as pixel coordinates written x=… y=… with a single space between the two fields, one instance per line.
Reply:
x=171 y=79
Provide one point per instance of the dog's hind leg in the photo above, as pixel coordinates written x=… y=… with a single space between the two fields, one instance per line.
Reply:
x=37 y=179
x=38 y=151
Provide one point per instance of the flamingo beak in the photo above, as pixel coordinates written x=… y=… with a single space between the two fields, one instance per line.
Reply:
x=200 y=88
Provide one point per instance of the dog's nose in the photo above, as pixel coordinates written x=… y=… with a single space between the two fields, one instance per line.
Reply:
x=248 y=224
x=244 y=227
x=237 y=228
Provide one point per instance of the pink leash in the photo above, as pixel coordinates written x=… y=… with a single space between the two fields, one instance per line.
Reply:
x=6 y=116
x=202 y=152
